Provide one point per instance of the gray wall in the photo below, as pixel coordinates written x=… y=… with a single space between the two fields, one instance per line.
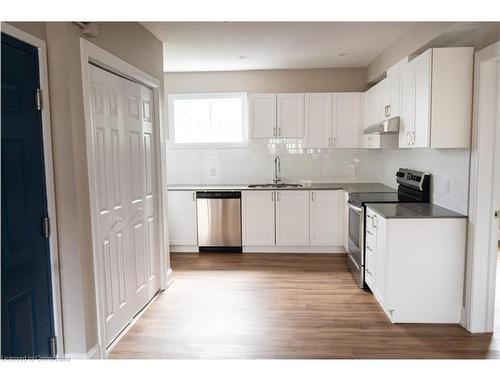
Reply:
x=134 y=44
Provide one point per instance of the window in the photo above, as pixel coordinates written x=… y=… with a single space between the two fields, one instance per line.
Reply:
x=208 y=120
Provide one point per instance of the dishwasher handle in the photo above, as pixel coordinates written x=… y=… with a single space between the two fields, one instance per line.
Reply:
x=218 y=194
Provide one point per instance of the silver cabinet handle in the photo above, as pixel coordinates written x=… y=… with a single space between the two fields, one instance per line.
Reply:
x=312 y=196
x=274 y=132
x=279 y=131
x=278 y=196
x=368 y=271
x=374 y=222
x=369 y=248
x=413 y=138
x=194 y=196
x=329 y=141
x=387 y=110
x=333 y=141
x=272 y=196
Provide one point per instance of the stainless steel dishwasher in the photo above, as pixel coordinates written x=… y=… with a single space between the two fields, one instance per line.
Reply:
x=219 y=221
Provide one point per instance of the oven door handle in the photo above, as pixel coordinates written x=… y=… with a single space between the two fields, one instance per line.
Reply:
x=353 y=207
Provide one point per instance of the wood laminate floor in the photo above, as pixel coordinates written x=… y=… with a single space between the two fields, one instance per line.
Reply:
x=282 y=306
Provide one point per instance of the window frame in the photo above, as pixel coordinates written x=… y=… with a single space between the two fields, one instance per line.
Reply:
x=212 y=95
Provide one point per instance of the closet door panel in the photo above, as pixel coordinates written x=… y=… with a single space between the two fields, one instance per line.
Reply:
x=110 y=199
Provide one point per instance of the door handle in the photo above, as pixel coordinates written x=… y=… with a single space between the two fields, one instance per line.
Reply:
x=354 y=208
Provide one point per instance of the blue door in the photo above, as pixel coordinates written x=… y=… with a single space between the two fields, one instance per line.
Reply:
x=27 y=320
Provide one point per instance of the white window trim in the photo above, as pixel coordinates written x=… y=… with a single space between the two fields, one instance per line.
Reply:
x=171 y=127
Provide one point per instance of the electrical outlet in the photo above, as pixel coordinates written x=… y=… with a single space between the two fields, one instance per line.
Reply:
x=447 y=187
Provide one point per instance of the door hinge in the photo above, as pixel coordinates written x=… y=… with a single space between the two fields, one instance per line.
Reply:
x=53 y=346
x=46 y=227
x=38 y=99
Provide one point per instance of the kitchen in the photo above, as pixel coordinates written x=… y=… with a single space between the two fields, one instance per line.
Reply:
x=261 y=190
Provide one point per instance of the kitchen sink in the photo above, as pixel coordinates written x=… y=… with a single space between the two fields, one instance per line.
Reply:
x=274 y=186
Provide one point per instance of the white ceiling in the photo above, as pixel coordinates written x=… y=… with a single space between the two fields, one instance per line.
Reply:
x=220 y=46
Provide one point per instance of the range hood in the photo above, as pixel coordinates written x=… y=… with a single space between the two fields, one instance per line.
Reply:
x=388 y=126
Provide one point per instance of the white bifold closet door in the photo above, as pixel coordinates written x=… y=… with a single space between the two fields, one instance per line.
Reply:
x=126 y=196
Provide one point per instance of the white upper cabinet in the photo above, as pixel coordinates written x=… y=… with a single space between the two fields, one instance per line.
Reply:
x=421 y=130
x=292 y=218
x=290 y=115
x=333 y=120
x=326 y=218
x=262 y=113
x=394 y=82
x=377 y=103
x=257 y=219
x=182 y=217
x=318 y=116
x=346 y=120
x=436 y=99
x=407 y=116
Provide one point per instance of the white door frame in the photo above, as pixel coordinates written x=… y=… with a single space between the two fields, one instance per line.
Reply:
x=91 y=53
x=49 y=177
x=481 y=259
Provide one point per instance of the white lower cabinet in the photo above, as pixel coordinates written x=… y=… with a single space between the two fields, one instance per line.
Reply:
x=257 y=219
x=326 y=225
x=416 y=280
x=292 y=218
x=182 y=227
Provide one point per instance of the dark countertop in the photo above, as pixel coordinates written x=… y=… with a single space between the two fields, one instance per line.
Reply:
x=349 y=187
x=413 y=211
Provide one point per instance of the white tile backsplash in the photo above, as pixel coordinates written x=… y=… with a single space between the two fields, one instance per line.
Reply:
x=254 y=164
x=449 y=169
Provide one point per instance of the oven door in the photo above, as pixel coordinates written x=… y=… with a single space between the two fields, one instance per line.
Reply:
x=356 y=233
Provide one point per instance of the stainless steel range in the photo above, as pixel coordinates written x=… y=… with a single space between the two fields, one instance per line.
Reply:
x=413 y=186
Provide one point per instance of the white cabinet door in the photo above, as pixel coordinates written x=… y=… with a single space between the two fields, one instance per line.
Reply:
x=368 y=114
x=380 y=259
x=290 y=117
x=262 y=113
x=384 y=103
x=182 y=218
x=407 y=117
x=326 y=218
x=394 y=77
x=421 y=131
x=292 y=218
x=345 y=229
x=257 y=209
x=318 y=120
x=346 y=120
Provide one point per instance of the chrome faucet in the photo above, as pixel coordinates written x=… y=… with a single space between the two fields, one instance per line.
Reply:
x=277 y=170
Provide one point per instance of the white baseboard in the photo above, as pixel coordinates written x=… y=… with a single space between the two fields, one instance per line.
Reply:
x=93 y=353
x=463 y=318
x=183 y=249
x=295 y=249
x=271 y=249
